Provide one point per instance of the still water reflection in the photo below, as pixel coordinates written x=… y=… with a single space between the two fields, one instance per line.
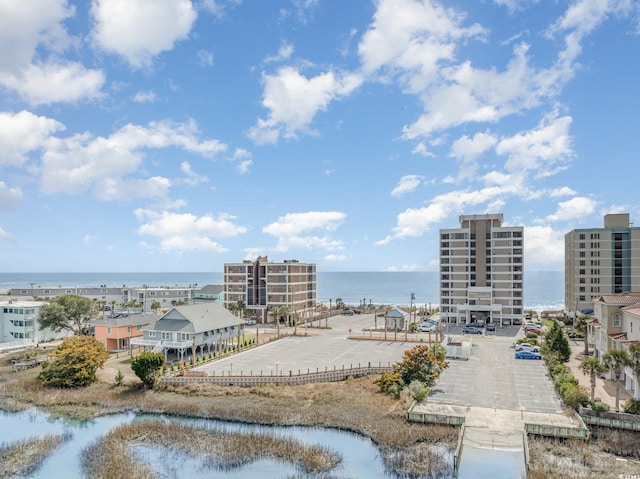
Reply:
x=360 y=456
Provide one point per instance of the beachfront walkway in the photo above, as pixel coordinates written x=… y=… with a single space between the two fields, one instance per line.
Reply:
x=605 y=389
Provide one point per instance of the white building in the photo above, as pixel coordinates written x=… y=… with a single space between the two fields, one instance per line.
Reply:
x=117 y=298
x=19 y=323
x=482 y=271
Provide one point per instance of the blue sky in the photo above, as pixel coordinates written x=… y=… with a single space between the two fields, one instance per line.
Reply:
x=176 y=135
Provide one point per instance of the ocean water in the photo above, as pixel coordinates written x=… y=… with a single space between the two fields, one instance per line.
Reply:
x=542 y=289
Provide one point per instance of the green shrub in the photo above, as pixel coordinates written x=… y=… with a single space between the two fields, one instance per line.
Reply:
x=418 y=390
x=74 y=363
x=146 y=366
x=599 y=407
x=632 y=406
x=574 y=396
x=119 y=378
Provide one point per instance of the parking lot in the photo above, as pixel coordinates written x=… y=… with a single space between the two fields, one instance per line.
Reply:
x=493 y=378
x=316 y=349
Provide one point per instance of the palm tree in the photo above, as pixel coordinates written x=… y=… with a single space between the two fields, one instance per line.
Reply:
x=615 y=360
x=592 y=368
x=155 y=306
x=634 y=362
x=581 y=326
x=240 y=307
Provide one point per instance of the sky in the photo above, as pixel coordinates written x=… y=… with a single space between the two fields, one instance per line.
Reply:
x=177 y=135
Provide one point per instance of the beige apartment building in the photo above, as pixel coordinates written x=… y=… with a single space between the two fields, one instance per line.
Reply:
x=601 y=261
x=481 y=271
x=263 y=285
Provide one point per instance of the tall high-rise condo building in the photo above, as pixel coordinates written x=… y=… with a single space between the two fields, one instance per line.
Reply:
x=481 y=271
x=263 y=286
x=601 y=261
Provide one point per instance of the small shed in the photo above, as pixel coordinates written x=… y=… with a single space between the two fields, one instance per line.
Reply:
x=396 y=319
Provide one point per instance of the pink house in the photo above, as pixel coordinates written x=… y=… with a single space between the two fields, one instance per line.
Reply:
x=116 y=332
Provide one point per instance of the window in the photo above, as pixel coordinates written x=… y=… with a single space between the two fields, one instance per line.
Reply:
x=128 y=329
x=165 y=335
x=582 y=236
x=185 y=336
x=152 y=334
x=109 y=330
x=616 y=320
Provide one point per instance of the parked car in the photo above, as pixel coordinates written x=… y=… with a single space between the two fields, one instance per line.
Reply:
x=527 y=347
x=426 y=327
x=532 y=328
x=249 y=320
x=471 y=330
x=490 y=327
x=528 y=355
x=348 y=312
x=476 y=324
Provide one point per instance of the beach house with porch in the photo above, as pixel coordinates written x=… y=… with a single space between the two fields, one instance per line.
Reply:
x=116 y=330
x=200 y=328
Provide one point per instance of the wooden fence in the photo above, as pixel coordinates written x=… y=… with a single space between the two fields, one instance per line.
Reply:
x=284 y=378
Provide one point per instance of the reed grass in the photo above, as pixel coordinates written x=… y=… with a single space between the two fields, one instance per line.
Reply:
x=552 y=458
x=221 y=449
x=354 y=405
x=23 y=458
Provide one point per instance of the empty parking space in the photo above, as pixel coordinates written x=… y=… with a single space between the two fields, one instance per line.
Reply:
x=493 y=378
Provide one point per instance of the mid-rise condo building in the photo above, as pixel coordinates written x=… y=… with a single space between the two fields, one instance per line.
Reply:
x=482 y=271
x=262 y=286
x=601 y=261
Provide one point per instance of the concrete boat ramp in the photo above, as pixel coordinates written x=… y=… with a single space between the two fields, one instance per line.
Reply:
x=493 y=442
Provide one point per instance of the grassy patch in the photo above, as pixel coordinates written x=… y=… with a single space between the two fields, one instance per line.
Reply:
x=25 y=457
x=221 y=449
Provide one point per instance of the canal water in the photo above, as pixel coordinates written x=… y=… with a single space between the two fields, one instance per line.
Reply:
x=361 y=457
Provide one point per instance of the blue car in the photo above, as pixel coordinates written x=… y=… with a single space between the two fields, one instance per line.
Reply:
x=528 y=355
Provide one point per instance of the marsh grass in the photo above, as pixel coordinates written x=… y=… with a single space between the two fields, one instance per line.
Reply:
x=22 y=458
x=354 y=405
x=563 y=458
x=222 y=449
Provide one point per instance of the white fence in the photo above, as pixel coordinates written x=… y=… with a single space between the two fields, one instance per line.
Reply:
x=285 y=378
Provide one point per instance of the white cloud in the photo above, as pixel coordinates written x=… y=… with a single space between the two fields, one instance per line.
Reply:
x=293 y=101
x=139 y=30
x=562 y=191
x=191 y=177
x=544 y=246
x=118 y=189
x=469 y=149
x=4 y=236
x=145 y=97
x=289 y=230
x=22 y=133
x=407 y=184
x=411 y=39
x=545 y=149
x=205 y=58
x=32 y=36
x=284 y=53
x=293 y=224
x=182 y=232
x=577 y=207
x=10 y=198
x=82 y=162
